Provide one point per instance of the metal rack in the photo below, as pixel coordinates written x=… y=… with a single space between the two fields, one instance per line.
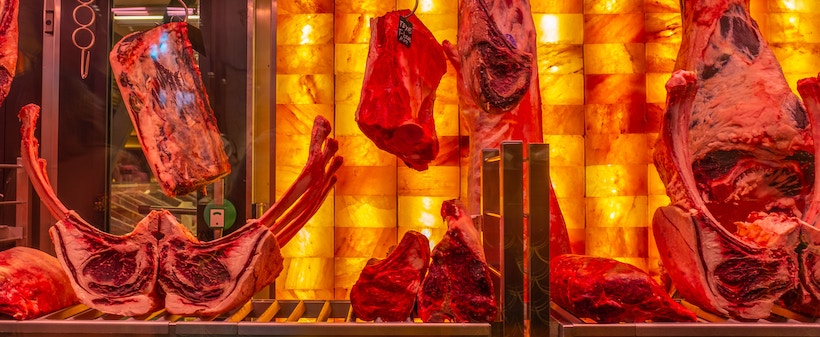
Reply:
x=17 y=232
x=255 y=318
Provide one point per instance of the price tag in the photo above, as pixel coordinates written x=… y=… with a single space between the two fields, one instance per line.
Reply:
x=405 y=31
x=222 y=216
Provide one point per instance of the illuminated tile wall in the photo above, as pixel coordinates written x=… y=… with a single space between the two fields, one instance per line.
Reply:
x=603 y=65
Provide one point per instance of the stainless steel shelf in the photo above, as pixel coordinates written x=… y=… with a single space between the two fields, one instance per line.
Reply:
x=255 y=318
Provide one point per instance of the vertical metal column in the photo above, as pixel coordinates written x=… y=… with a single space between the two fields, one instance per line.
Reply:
x=49 y=116
x=538 y=188
x=21 y=211
x=489 y=224
x=512 y=228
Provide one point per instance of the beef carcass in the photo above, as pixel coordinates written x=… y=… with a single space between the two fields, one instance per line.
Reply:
x=8 y=45
x=160 y=264
x=458 y=287
x=32 y=284
x=609 y=291
x=396 y=105
x=162 y=88
x=387 y=288
x=737 y=155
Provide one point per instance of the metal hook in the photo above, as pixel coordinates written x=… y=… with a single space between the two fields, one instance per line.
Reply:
x=185 y=8
x=416 y=6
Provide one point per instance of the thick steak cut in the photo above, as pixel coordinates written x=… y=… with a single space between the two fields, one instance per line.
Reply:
x=210 y=278
x=458 y=286
x=32 y=284
x=114 y=274
x=162 y=88
x=387 y=288
x=8 y=45
x=737 y=155
x=609 y=291
x=396 y=106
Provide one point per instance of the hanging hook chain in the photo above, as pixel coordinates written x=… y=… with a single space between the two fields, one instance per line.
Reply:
x=185 y=8
x=416 y=6
x=85 y=50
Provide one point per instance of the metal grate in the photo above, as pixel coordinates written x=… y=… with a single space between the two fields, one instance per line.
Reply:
x=256 y=318
x=782 y=322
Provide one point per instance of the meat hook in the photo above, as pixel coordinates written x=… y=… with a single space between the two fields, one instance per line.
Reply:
x=416 y=6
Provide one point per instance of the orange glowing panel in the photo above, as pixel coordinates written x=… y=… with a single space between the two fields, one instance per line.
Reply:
x=614 y=28
x=304 y=59
x=306 y=277
x=352 y=28
x=560 y=59
x=365 y=211
x=446 y=117
x=435 y=181
x=616 y=148
x=660 y=57
x=346 y=121
x=304 y=29
x=613 y=6
x=304 y=89
x=351 y=58
x=662 y=6
x=304 y=6
x=568 y=181
x=616 y=212
x=615 y=180
x=793 y=28
x=635 y=261
x=566 y=6
x=563 y=119
x=364 y=242
x=801 y=6
x=429 y=6
x=563 y=89
x=798 y=57
x=615 y=89
x=349 y=88
x=376 y=7
x=566 y=150
x=626 y=117
x=655 y=201
x=361 y=151
x=618 y=242
x=297 y=119
x=559 y=28
x=347 y=271
x=442 y=26
x=309 y=242
x=366 y=180
x=656 y=87
x=663 y=28
x=614 y=58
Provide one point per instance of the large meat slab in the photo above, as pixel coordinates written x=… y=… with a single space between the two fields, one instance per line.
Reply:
x=400 y=80
x=8 y=45
x=32 y=284
x=162 y=88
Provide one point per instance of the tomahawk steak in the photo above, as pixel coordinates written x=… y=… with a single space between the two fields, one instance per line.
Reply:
x=400 y=80
x=161 y=86
x=32 y=284
x=387 y=288
x=458 y=286
x=609 y=291
x=736 y=153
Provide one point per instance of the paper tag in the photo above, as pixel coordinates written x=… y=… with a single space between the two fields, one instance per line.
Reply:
x=405 y=31
x=217 y=218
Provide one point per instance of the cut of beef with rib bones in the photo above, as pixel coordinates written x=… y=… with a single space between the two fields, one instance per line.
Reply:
x=609 y=291
x=32 y=284
x=162 y=265
x=162 y=89
x=458 y=287
x=396 y=106
x=8 y=45
x=387 y=288
x=738 y=157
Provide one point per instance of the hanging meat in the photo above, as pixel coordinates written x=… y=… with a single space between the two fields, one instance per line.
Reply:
x=32 y=284
x=737 y=155
x=8 y=45
x=162 y=88
x=404 y=66
x=387 y=288
x=160 y=264
x=458 y=286
x=609 y=291
x=499 y=94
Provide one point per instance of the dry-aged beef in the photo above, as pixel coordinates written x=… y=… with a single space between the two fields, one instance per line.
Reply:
x=737 y=155
x=162 y=88
x=609 y=291
x=32 y=284
x=396 y=106
x=161 y=264
x=8 y=45
x=505 y=102
x=387 y=288
x=458 y=287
